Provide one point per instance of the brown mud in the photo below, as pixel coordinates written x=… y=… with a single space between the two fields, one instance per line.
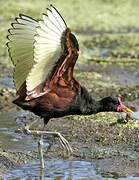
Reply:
x=109 y=140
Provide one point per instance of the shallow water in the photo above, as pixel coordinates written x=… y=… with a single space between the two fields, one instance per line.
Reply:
x=59 y=170
x=9 y=140
x=54 y=168
x=6 y=82
x=137 y=115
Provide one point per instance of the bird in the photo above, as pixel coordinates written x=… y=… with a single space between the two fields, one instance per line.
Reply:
x=44 y=54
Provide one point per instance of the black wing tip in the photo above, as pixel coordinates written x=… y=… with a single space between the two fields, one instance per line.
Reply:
x=47 y=9
x=8 y=37
x=9 y=30
x=12 y=24
x=44 y=14
x=7 y=44
x=58 y=13
x=21 y=16
x=53 y=7
x=16 y=18
x=10 y=53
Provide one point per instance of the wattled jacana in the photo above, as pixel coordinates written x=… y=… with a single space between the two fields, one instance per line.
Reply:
x=44 y=54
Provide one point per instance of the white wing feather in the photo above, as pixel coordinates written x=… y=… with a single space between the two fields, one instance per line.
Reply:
x=47 y=47
x=35 y=47
x=21 y=48
x=59 y=18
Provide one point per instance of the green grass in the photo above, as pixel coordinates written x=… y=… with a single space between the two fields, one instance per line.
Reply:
x=83 y=17
x=122 y=47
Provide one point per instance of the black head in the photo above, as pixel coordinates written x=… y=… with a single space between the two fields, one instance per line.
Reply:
x=112 y=103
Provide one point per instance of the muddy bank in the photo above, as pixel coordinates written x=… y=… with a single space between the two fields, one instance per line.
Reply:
x=105 y=139
x=7 y=95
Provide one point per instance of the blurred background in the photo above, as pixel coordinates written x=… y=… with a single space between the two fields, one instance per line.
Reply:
x=108 y=36
x=105 y=29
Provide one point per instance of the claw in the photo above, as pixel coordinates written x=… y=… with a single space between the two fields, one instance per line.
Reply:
x=64 y=143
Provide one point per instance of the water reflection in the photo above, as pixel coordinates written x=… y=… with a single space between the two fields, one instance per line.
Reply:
x=8 y=125
x=59 y=169
x=54 y=168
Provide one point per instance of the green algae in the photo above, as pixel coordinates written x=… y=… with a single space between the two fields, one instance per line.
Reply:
x=108 y=28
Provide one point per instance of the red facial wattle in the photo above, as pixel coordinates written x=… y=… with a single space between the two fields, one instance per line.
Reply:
x=122 y=108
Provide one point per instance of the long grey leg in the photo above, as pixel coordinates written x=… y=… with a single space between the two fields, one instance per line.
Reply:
x=40 y=149
x=64 y=143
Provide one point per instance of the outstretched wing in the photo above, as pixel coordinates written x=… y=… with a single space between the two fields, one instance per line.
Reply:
x=42 y=50
x=47 y=47
x=21 y=50
x=35 y=47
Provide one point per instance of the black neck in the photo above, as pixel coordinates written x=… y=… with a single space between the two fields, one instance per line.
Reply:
x=87 y=105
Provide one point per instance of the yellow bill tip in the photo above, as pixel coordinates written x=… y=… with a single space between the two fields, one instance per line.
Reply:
x=129 y=112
